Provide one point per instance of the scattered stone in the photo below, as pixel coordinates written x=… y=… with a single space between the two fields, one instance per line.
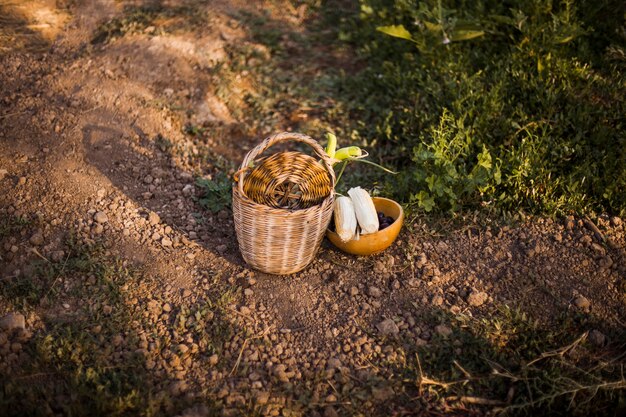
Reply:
x=606 y=262
x=413 y=282
x=3 y=173
x=100 y=217
x=420 y=342
x=333 y=363
x=13 y=321
x=166 y=242
x=382 y=394
x=186 y=292
x=248 y=292
x=437 y=300
x=177 y=388
x=36 y=239
x=188 y=189
x=331 y=398
x=379 y=266
x=153 y=218
x=354 y=291
x=597 y=338
x=477 y=298
x=388 y=327
x=375 y=292
x=615 y=221
x=167 y=307
x=222 y=393
x=148 y=179
x=422 y=260
x=443 y=330
x=57 y=255
x=213 y=359
x=221 y=249
x=175 y=361
x=117 y=340
x=262 y=397
x=581 y=302
x=329 y=411
x=599 y=249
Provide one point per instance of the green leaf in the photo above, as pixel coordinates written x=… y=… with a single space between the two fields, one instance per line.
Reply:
x=425 y=201
x=368 y=10
x=465 y=35
x=433 y=27
x=397 y=31
x=497 y=175
x=431 y=181
x=540 y=66
x=365 y=161
x=564 y=39
x=216 y=193
x=484 y=159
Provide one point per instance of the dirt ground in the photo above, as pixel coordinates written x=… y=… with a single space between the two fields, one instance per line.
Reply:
x=95 y=145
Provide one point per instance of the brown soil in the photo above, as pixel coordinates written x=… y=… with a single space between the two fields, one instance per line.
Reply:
x=82 y=130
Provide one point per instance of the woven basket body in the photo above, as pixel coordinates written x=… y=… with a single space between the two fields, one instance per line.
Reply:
x=282 y=205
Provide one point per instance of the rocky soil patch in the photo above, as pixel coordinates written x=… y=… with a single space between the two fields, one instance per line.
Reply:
x=122 y=293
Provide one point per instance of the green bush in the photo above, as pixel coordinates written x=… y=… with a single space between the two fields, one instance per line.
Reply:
x=509 y=103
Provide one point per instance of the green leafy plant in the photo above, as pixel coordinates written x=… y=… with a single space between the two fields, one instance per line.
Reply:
x=444 y=173
x=216 y=192
x=531 y=96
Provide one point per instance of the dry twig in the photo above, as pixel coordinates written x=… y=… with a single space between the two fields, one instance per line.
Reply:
x=559 y=352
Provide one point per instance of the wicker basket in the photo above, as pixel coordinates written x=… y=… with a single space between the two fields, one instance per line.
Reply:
x=282 y=205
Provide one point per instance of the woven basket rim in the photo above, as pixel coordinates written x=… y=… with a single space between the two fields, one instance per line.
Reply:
x=253 y=203
x=284 y=137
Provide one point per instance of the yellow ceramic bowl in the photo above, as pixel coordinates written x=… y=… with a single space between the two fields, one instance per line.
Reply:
x=375 y=242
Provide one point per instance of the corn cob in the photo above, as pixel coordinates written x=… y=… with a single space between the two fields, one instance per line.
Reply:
x=348 y=152
x=365 y=210
x=332 y=144
x=345 y=219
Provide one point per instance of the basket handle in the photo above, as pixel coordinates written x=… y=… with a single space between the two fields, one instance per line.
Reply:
x=278 y=138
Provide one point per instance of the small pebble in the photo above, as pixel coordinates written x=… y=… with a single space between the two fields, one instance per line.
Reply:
x=36 y=239
x=443 y=330
x=388 y=327
x=582 y=302
x=477 y=298
x=153 y=218
x=100 y=217
x=13 y=321
x=374 y=291
x=597 y=338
